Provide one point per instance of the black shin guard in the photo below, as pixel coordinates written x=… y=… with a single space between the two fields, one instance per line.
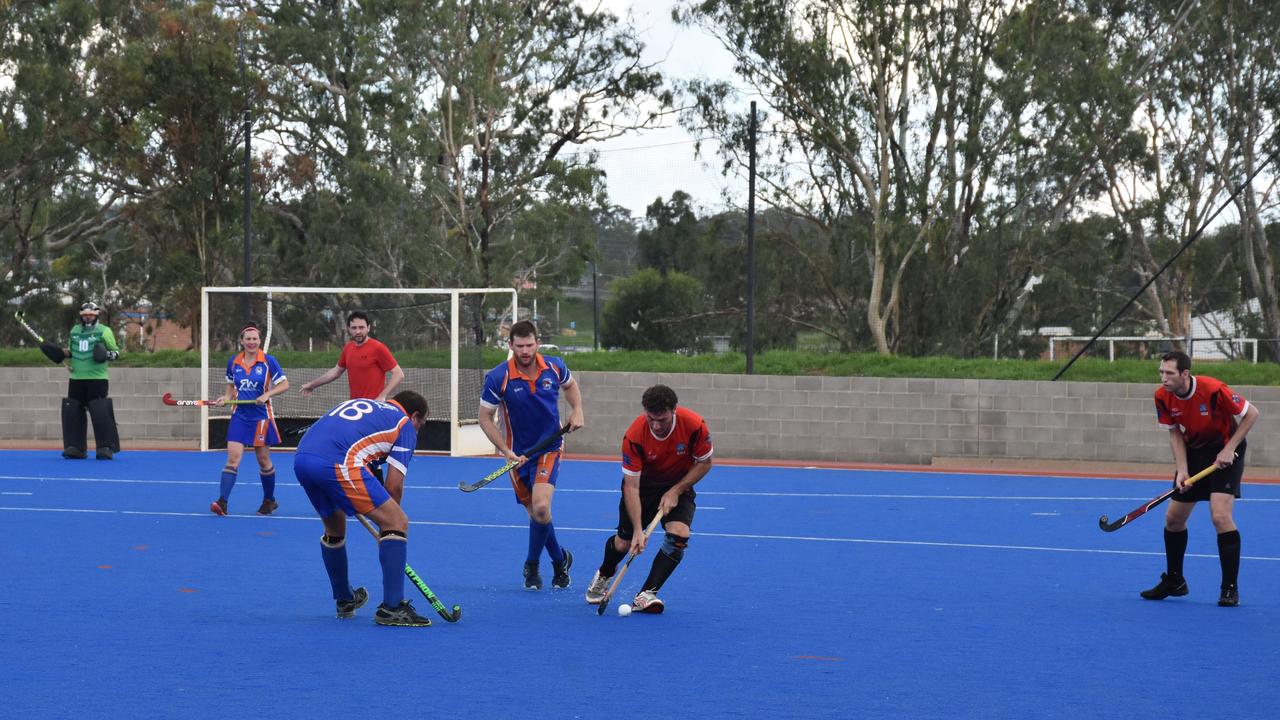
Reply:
x=1175 y=548
x=103 y=413
x=1229 y=556
x=665 y=562
x=74 y=425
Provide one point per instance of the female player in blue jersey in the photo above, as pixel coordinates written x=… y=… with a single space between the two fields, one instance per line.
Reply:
x=527 y=388
x=332 y=466
x=251 y=375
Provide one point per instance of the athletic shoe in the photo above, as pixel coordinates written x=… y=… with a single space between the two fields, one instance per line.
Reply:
x=1175 y=586
x=268 y=506
x=104 y=453
x=403 y=615
x=1230 y=596
x=74 y=453
x=596 y=590
x=218 y=507
x=347 y=608
x=560 y=578
x=532 y=580
x=647 y=601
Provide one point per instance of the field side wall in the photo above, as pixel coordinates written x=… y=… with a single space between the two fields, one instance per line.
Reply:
x=876 y=420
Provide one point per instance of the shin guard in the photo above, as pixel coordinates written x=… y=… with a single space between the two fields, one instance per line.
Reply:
x=103 y=413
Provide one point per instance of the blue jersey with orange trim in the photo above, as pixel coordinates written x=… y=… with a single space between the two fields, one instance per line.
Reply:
x=530 y=405
x=251 y=379
x=359 y=431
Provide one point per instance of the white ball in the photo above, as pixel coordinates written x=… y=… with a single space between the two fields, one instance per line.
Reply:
x=624 y=610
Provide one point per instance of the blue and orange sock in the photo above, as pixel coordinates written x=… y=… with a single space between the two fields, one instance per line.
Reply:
x=334 y=552
x=393 y=550
x=553 y=546
x=537 y=539
x=228 y=482
x=268 y=484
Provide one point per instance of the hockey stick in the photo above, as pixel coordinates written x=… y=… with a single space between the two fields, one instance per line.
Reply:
x=452 y=617
x=51 y=351
x=1140 y=511
x=604 y=601
x=169 y=399
x=472 y=487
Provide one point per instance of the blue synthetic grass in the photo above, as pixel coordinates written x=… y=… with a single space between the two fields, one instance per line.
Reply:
x=804 y=593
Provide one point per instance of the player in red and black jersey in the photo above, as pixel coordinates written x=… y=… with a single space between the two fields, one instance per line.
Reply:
x=1207 y=423
x=665 y=452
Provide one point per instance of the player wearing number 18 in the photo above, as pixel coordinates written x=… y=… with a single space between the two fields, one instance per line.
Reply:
x=332 y=466
x=1207 y=423
x=665 y=452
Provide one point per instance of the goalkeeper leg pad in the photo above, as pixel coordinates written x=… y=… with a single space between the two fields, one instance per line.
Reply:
x=74 y=427
x=104 y=424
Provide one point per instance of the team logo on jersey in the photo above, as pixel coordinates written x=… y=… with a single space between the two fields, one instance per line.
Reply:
x=257 y=370
x=679 y=448
x=626 y=459
x=546 y=383
x=1235 y=399
x=1204 y=409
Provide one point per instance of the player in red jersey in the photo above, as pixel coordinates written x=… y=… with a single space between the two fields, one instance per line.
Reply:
x=1207 y=423
x=665 y=452
x=366 y=362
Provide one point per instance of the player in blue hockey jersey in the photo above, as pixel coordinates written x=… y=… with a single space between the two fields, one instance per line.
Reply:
x=332 y=466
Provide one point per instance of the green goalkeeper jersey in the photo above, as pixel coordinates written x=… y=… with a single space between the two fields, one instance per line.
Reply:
x=83 y=339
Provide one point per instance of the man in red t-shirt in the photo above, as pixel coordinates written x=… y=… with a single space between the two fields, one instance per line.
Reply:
x=1207 y=424
x=366 y=362
x=665 y=452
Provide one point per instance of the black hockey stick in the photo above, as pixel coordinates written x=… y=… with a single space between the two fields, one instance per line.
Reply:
x=613 y=587
x=472 y=487
x=51 y=351
x=1140 y=511
x=421 y=584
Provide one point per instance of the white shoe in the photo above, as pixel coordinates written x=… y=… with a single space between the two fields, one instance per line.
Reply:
x=598 y=587
x=647 y=601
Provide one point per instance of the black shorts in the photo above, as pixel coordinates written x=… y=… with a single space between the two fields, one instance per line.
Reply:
x=650 y=496
x=1223 y=480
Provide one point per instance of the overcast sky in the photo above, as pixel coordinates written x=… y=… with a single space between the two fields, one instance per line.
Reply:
x=655 y=163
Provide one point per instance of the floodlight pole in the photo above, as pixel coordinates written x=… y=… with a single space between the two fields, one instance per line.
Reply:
x=751 y=243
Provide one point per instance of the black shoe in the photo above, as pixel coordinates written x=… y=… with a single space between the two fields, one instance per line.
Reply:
x=347 y=608
x=1175 y=586
x=403 y=615
x=74 y=453
x=560 y=578
x=268 y=506
x=104 y=453
x=1230 y=596
x=218 y=507
x=532 y=580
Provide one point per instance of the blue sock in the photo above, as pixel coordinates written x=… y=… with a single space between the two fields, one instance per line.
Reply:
x=553 y=547
x=537 y=539
x=228 y=482
x=335 y=563
x=268 y=484
x=392 y=553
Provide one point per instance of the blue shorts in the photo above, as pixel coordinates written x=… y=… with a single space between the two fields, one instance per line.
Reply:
x=332 y=487
x=253 y=433
x=543 y=469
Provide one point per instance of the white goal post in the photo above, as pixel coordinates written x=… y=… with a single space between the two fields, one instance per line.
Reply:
x=436 y=312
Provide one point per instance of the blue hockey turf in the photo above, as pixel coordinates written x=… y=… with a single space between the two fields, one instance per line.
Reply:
x=804 y=593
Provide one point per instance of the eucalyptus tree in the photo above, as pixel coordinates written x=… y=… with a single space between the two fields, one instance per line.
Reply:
x=909 y=131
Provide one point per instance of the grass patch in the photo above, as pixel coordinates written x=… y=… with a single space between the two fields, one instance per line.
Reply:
x=769 y=363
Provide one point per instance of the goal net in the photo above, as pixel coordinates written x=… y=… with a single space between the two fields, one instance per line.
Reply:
x=438 y=337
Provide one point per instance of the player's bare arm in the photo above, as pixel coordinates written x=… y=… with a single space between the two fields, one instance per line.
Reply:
x=490 y=429
x=1228 y=454
x=671 y=498
x=1179 y=447
x=395 y=483
x=329 y=376
x=277 y=389
x=573 y=395
x=397 y=376
x=631 y=497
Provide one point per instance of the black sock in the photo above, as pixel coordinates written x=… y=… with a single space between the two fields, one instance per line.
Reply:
x=1175 y=547
x=1229 y=556
x=611 y=558
x=663 y=566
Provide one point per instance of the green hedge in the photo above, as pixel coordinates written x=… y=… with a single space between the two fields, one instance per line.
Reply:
x=770 y=363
